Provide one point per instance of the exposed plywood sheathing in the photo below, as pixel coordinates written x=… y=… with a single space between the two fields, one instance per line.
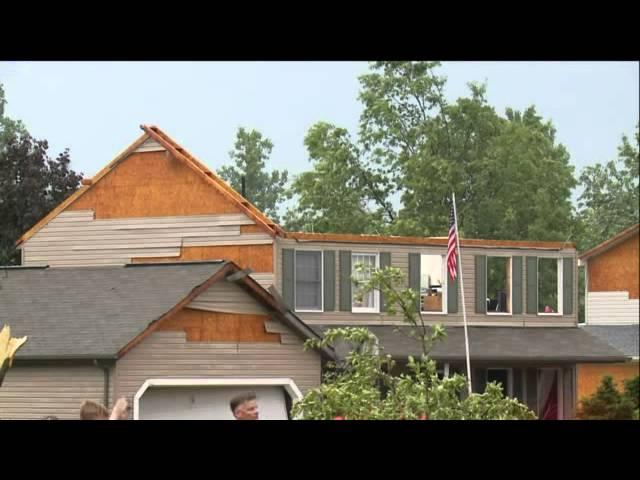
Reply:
x=257 y=257
x=202 y=326
x=153 y=184
x=617 y=268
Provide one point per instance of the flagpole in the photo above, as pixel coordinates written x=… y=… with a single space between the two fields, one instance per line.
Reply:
x=464 y=309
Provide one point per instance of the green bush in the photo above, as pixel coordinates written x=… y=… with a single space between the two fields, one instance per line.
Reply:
x=632 y=390
x=365 y=387
x=362 y=388
x=608 y=403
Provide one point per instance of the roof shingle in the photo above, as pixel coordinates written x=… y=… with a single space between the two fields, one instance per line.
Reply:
x=92 y=311
x=511 y=344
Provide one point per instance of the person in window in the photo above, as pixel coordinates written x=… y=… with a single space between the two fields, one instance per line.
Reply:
x=548 y=309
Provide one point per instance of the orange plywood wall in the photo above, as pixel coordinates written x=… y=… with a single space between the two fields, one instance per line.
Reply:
x=589 y=376
x=203 y=326
x=616 y=270
x=152 y=184
x=259 y=258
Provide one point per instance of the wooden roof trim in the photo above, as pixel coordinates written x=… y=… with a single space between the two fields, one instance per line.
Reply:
x=301 y=329
x=426 y=241
x=216 y=178
x=611 y=242
x=81 y=190
x=219 y=275
x=206 y=176
x=211 y=176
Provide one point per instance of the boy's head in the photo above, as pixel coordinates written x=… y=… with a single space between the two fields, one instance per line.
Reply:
x=90 y=410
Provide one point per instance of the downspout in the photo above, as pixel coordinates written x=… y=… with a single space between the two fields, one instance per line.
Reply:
x=106 y=385
x=105 y=368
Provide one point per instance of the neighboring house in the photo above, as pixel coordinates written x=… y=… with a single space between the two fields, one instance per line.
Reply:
x=612 y=309
x=521 y=304
x=156 y=203
x=178 y=340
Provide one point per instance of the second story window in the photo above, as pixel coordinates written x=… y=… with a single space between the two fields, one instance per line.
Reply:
x=433 y=277
x=498 y=285
x=549 y=286
x=308 y=280
x=370 y=301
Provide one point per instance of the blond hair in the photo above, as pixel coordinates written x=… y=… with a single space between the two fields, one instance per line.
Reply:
x=90 y=410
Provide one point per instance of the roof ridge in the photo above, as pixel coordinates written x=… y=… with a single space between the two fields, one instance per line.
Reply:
x=213 y=176
x=178 y=263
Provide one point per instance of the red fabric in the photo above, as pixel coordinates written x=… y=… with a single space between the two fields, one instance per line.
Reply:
x=550 y=410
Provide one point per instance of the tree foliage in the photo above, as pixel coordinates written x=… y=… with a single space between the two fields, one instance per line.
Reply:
x=511 y=178
x=31 y=183
x=264 y=189
x=333 y=196
x=610 y=200
x=609 y=404
x=368 y=385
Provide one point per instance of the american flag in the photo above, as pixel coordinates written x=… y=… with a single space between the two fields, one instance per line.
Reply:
x=452 y=261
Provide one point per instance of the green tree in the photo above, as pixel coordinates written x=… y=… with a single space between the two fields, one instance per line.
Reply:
x=607 y=403
x=610 y=200
x=368 y=386
x=264 y=189
x=511 y=178
x=333 y=196
x=632 y=391
x=8 y=126
x=31 y=183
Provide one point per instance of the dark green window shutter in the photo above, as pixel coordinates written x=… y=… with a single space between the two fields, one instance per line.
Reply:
x=567 y=286
x=385 y=261
x=531 y=378
x=516 y=284
x=481 y=283
x=478 y=379
x=329 y=265
x=288 y=286
x=345 y=281
x=414 y=273
x=532 y=285
x=452 y=290
x=517 y=384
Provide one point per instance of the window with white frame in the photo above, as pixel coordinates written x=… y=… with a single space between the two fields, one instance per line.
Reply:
x=433 y=283
x=308 y=281
x=550 y=286
x=498 y=285
x=362 y=265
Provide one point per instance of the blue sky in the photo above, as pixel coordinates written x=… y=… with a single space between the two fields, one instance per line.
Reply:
x=95 y=108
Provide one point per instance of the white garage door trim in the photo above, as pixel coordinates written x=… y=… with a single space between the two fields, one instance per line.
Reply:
x=288 y=384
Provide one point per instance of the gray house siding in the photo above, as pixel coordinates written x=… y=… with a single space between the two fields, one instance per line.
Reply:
x=31 y=392
x=400 y=259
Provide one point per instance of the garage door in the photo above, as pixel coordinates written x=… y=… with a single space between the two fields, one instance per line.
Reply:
x=208 y=402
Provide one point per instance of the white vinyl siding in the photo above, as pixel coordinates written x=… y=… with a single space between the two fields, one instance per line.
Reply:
x=36 y=392
x=612 y=308
x=75 y=238
x=168 y=354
